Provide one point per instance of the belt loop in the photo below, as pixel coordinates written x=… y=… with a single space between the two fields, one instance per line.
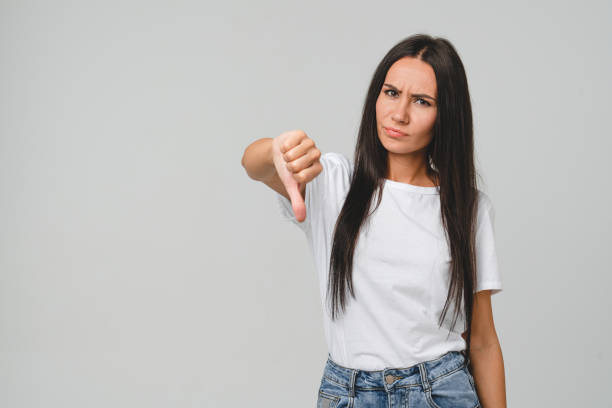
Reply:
x=423 y=372
x=352 y=384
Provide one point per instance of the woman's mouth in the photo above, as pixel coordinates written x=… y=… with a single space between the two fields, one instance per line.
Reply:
x=393 y=132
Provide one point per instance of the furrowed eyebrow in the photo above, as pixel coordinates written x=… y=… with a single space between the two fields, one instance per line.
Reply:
x=417 y=95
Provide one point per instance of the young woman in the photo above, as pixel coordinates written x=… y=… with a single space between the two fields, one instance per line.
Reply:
x=405 y=231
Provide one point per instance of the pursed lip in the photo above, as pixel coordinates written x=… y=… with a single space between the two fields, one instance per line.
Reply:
x=395 y=130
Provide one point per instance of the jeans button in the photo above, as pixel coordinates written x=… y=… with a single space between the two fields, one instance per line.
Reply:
x=389 y=378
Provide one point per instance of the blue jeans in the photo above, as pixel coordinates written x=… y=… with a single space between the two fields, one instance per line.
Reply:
x=440 y=383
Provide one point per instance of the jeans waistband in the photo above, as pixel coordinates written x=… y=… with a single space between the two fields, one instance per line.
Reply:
x=418 y=374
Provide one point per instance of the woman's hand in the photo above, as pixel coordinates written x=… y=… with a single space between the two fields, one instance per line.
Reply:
x=296 y=159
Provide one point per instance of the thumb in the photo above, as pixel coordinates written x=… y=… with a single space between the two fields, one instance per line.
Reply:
x=291 y=186
x=297 y=202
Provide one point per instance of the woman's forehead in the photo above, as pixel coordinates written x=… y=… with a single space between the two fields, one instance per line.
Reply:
x=412 y=74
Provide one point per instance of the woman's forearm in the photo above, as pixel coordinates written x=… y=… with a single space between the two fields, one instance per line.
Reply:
x=488 y=371
x=257 y=159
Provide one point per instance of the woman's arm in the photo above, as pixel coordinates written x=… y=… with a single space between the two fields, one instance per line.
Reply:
x=257 y=161
x=486 y=354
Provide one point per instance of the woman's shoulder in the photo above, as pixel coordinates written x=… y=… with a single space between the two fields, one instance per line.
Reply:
x=335 y=161
x=336 y=157
x=485 y=210
x=484 y=200
x=336 y=174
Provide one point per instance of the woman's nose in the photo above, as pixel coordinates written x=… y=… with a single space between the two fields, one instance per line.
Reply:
x=401 y=113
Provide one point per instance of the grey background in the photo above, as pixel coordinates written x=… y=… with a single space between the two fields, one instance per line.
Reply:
x=141 y=267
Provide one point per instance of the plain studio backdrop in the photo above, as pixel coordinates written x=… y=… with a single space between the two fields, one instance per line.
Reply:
x=141 y=267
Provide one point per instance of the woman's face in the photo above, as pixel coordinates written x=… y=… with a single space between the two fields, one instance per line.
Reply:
x=408 y=103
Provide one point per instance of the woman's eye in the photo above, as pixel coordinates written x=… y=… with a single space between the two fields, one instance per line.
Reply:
x=418 y=99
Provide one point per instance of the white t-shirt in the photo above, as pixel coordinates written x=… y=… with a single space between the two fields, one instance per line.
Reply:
x=400 y=270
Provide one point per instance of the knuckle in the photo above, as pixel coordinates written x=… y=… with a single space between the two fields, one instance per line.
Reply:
x=298 y=134
x=299 y=177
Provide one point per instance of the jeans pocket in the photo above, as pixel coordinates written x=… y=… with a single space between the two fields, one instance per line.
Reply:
x=331 y=392
x=453 y=390
x=326 y=400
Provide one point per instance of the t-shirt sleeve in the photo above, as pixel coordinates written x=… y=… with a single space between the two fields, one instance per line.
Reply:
x=488 y=274
x=335 y=165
